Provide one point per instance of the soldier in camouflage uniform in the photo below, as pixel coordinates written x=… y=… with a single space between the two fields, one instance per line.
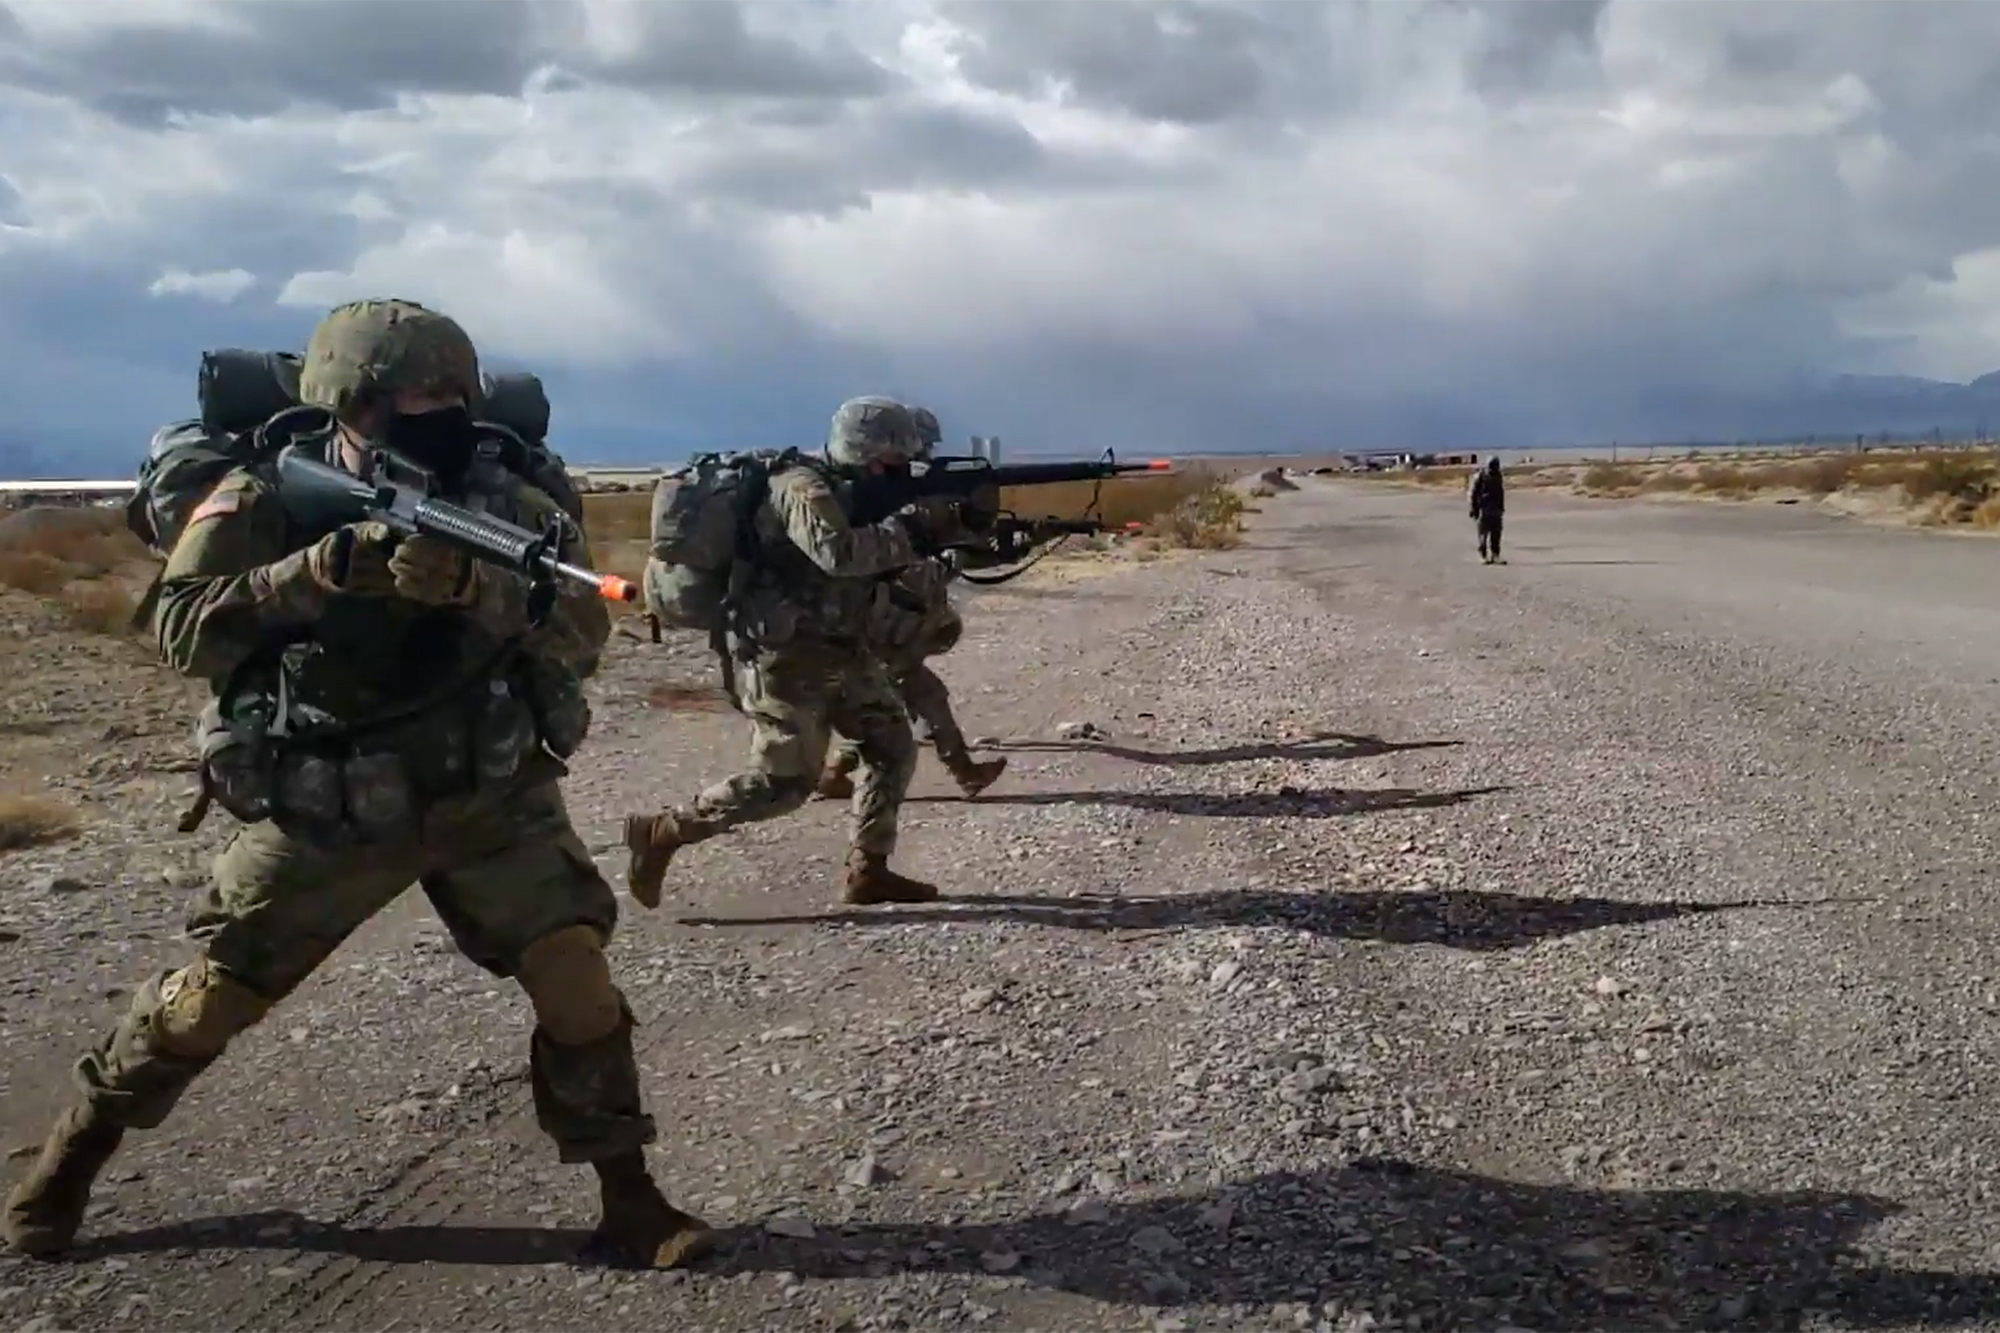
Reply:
x=913 y=619
x=414 y=676
x=802 y=665
x=1487 y=501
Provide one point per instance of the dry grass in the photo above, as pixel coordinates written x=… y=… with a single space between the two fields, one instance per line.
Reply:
x=98 y=607
x=1459 y=477
x=1941 y=487
x=82 y=560
x=1211 y=519
x=1193 y=508
x=28 y=820
x=1140 y=497
x=1955 y=474
x=619 y=523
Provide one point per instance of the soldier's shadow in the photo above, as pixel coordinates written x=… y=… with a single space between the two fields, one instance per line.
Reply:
x=1284 y=803
x=1383 y=1236
x=1318 y=745
x=1467 y=919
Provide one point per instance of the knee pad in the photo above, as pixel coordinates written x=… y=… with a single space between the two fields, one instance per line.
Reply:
x=568 y=980
x=202 y=1007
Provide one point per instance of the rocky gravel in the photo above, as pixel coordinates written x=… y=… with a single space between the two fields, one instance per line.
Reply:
x=1361 y=938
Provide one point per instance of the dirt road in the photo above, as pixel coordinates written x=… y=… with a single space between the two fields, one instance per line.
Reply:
x=1601 y=940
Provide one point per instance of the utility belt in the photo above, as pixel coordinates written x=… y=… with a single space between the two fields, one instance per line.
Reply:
x=265 y=756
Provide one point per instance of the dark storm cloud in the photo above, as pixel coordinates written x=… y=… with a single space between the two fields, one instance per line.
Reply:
x=265 y=55
x=1418 y=222
x=709 y=47
x=1182 y=61
x=274 y=53
x=1528 y=45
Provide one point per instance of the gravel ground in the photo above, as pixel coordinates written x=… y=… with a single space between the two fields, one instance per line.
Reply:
x=1362 y=938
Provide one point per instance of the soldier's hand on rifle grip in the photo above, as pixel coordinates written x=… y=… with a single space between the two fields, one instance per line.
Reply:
x=932 y=521
x=428 y=571
x=354 y=560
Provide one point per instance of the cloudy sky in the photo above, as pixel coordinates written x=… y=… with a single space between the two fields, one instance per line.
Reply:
x=1150 y=225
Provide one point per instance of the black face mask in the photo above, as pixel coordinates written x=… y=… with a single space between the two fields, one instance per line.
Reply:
x=442 y=441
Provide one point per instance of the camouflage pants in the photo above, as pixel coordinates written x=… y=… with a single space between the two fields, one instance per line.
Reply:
x=796 y=697
x=502 y=879
x=924 y=695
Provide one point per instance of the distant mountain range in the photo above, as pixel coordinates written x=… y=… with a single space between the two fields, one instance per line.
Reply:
x=1836 y=410
x=1903 y=406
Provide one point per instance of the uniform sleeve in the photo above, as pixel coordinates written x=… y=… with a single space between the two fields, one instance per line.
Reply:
x=229 y=582
x=578 y=625
x=928 y=580
x=812 y=520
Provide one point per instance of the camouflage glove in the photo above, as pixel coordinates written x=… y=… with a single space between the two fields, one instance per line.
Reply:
x=353 y=560
x=934 y=521
x=430 y=572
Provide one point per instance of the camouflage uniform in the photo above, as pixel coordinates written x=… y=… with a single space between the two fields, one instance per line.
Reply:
x=483 y=830
x=913 y=619
x=803 y=668
x=1488 y=501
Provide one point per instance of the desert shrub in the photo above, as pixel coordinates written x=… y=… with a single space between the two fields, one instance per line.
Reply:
x=1824 y=476
x=97 y=607
x=27 y=820
x=1667 y=479
x=1607 y=477
x=1953 y=476
x=73 y=558
x=1209 y=520
x=37 y=573
x=94 y=540
x=1722 y=479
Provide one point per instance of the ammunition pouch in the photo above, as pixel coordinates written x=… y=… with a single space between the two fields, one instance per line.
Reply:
x=560 y=707
x=264 y=758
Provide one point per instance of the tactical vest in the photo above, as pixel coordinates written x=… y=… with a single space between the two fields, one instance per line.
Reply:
x=357 y=727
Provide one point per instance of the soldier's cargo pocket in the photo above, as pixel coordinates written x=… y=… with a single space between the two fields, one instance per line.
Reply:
x=497 y=906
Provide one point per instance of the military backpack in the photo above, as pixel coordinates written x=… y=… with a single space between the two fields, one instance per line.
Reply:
x=241 y=392
x=704 y=535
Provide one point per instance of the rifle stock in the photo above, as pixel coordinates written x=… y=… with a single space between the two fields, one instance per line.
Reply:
x=320 y=497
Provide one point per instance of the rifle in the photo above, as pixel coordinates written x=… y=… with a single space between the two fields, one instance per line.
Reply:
x=976 y=484
x=321 y=498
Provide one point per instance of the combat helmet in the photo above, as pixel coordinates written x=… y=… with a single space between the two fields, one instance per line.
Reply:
x=871 y=428
x=366 y=350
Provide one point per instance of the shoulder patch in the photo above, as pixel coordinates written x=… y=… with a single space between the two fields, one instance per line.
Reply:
x=222 y=500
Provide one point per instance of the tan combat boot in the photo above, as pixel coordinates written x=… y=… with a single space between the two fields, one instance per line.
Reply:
x=639 y=1228
x=973 y=775
x=870 y=882
x=45 y=1211
x=652 y=841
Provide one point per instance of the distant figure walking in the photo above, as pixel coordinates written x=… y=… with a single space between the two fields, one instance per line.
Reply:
x=1489 y=507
